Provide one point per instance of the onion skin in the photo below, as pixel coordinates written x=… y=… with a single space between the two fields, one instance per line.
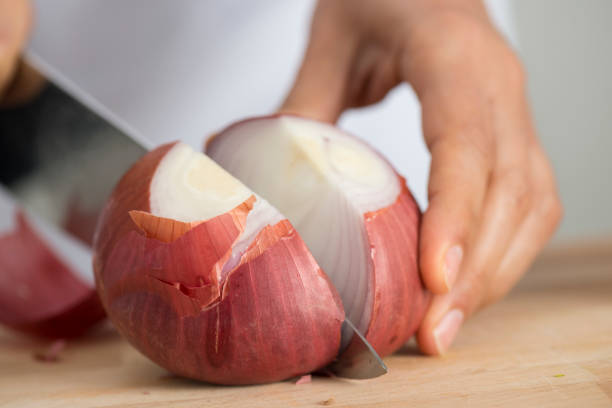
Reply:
x=39 y=294
x=274 y=316
x=131 y=193
x=399 y=300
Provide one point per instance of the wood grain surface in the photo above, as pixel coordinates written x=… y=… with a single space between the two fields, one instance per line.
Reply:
x=548 y=344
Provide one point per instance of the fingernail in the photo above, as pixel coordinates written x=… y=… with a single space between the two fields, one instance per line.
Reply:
x=447 y=329
x=452 y=262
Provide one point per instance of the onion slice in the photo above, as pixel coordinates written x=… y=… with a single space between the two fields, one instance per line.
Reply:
x=39 y=293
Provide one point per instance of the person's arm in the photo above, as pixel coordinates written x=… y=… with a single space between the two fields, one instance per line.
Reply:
x=493 y=203
x=15 y=21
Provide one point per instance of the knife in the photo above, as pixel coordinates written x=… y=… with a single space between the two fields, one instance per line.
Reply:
x=61 y=155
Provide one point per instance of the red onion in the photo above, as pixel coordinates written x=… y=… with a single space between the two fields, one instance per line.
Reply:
x=226 y=298
x=212 y=282
x=39 y=293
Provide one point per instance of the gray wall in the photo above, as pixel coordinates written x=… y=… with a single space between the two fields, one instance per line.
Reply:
x=566 y=46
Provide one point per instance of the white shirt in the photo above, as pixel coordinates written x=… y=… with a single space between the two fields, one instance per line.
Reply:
x=183 y=69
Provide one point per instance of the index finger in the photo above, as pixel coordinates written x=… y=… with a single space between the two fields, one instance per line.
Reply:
x=457 y=134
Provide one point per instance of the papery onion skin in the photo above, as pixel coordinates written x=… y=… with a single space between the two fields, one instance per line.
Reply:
x=39 y=294
x=272 y=317
x=399 y=300
x=131 y=193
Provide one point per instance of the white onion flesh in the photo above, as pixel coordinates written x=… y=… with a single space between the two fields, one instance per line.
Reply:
x=260 y=216
x=189 y=187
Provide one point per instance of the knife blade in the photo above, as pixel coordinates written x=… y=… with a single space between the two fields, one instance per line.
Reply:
x=61 y=155
x=360 y=361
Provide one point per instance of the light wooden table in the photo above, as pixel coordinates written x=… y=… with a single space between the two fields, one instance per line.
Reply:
x=549 y=344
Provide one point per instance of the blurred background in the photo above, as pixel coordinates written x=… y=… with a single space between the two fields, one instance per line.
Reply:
x=566 y=48
x=567 y=51
x=158 y=72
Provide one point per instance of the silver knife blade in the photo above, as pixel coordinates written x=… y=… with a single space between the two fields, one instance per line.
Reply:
x=61 y=159
x=360 y=361
x=61 y=155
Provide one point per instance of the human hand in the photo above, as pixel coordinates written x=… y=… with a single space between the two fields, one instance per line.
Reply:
x=493 y=203
x=15 y=21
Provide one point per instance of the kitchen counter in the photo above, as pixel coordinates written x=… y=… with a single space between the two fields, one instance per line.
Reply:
x=548 y=344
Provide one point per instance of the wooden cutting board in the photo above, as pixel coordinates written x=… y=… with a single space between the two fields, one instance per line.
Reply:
x=548 y=344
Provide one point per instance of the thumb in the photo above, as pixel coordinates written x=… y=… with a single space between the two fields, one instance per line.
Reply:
x=320 y=88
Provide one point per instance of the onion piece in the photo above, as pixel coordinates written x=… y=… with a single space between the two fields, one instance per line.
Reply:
x=39 y=293
x=209 y=280
x=305 y=379
x=52 y=353
x=351 y=208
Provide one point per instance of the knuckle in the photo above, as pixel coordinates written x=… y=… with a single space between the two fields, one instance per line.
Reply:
x=502 y=282
x=549 y=208
x=467 y=143
x=517 y=190
x=478 y=146
x=472 y=294
x=515 y=72
x=447 y=23
x=458 y=22
x=494 y=294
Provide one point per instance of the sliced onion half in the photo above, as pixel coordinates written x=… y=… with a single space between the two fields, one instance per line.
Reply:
x=41 y=293
x=351 y=208
x=208 y=279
